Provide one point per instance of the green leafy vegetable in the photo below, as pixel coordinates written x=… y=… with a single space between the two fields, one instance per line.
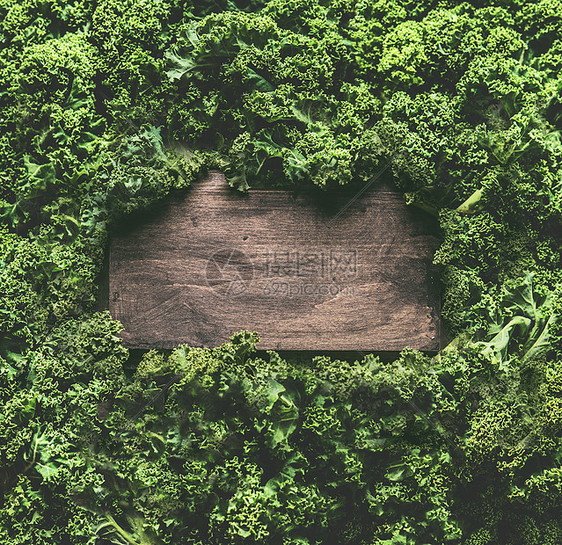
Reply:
x=107 y=107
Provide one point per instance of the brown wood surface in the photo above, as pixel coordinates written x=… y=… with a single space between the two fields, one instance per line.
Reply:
x=357 y=276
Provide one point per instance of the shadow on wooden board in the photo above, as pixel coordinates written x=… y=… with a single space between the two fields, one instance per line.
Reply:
x=342 y=275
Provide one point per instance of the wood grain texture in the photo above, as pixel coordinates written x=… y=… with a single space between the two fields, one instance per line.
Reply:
x=356 y=276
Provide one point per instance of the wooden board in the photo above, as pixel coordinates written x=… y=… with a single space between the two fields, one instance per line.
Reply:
x=355 y=276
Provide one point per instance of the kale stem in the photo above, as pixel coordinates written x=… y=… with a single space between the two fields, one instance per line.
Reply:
x=468 y=206
x=123 y=533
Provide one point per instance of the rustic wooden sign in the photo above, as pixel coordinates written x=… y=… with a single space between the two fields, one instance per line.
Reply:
x=355 y=276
